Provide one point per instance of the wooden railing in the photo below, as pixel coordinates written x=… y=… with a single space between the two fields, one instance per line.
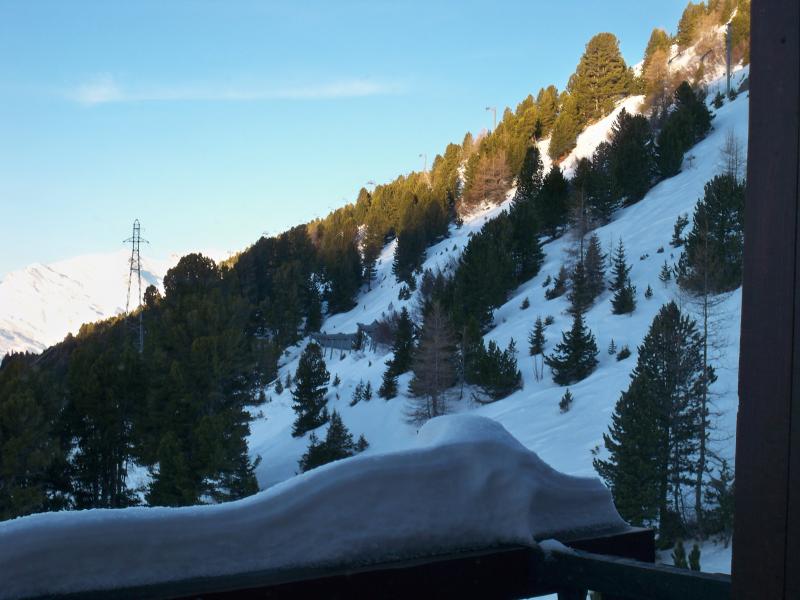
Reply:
x=618 y=564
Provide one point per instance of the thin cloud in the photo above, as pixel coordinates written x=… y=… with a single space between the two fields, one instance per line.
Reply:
x=105 y=90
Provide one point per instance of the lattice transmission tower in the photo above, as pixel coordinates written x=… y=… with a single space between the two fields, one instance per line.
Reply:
x=136 y=272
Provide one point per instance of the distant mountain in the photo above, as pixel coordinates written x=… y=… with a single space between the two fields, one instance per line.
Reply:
x=41 y=304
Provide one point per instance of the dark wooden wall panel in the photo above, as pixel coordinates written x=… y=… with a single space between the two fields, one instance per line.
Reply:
x=765 y=553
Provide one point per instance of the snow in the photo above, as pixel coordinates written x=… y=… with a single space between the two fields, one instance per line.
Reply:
x=566 y=441
x=591 y=137
x=42 y=303
x=462 y=483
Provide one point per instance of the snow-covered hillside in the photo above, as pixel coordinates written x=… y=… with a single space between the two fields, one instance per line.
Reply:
x=317 y=519
x=532 y=415
x=40 y=304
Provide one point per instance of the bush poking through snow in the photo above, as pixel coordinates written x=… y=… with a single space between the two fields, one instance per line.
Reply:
x=566 y=401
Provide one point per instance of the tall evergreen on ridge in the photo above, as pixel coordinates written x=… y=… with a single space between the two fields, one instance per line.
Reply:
x=624 y=300
x=575 y=357
x=310 y=387
x=654 y=435
x=551 y=203
x=601 y=78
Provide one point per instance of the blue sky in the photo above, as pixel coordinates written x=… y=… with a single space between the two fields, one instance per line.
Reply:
x=213 y=122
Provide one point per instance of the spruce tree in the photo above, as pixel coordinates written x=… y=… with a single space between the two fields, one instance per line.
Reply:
x=580 y=295
x=536 y=338
x=388 y=389
x=338 y=444
x=311 y=381
x=595 y=267
x=624 y=300
x=575 y=357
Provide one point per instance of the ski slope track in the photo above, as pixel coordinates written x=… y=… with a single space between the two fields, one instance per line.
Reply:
x=566 y=441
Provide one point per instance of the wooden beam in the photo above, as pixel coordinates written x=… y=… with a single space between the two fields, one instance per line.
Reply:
x=626 y=578
x=766 y=536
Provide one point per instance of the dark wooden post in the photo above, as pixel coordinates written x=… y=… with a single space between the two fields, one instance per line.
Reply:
x=766 y=558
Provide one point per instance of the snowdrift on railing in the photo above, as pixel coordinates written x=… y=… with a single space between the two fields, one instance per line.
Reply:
x=465 y=483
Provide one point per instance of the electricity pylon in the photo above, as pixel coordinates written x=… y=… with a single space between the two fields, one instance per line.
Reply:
x=136 y=270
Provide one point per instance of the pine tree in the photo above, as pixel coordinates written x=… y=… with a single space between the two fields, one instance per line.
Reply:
x=624 y=300
x=595 y=266
x=388 y=389
x=566 y=401
x=575 y=357
x=433 y=367
x=309 y=392
x=565 y=129
x=632 y=157
x=656 y=424
x=718 y=518
x=648 y=293
x=362 y=443
x=559 y=284
x=338 y=444
x=712 y=259
x=602 y=77
x=536 y=341
x=551 y=203
x=612 y=347
x=580 y=296
x=536 y=338
x=495 y=371
x=677 y=232
x=529 y=181
x=684 y=127
x=666 y=274
x=547 y=108
x=620 y=269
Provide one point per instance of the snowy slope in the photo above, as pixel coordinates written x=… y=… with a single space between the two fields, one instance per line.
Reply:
x=474 y=485
x=42 y=303
x=590 y=138
x=564 y=440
